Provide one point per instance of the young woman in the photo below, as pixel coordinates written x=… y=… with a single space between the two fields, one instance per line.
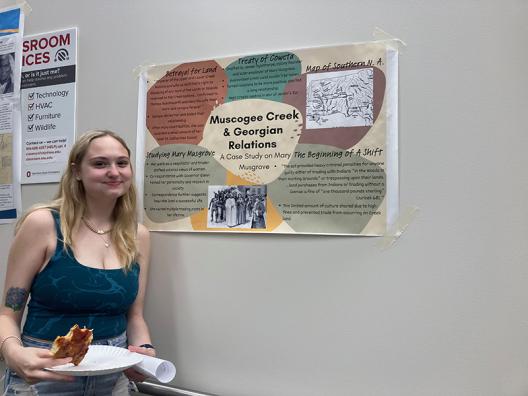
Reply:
x=82 y=259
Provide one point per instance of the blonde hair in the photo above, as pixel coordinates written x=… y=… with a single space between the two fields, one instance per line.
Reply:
x=70 y=202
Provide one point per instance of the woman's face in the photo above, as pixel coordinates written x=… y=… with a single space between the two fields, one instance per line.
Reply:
x=105 y=169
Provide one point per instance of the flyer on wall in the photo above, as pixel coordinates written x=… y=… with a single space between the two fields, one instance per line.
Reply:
x=48 y=104
x=11 y=31
x=293 y=142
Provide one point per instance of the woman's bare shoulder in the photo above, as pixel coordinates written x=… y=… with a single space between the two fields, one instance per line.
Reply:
x=143 y=237
x=38 y=220
x=34 y=241
x=143 y=232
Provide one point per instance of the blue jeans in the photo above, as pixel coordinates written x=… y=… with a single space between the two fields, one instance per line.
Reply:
x=101 y=385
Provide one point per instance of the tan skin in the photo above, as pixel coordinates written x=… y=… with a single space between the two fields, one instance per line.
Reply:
x=106 y=175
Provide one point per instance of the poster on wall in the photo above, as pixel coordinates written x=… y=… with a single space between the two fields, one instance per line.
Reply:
x=11 y=31
x=48 y=104
x=293 y=142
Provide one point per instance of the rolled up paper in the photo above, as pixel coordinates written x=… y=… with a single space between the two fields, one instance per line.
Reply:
x=162 y=370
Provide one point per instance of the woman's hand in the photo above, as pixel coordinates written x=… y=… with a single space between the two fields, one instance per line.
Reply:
x=133 y=374
x=29 y=364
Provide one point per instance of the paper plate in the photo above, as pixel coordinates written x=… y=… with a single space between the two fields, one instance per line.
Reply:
x=100 y=359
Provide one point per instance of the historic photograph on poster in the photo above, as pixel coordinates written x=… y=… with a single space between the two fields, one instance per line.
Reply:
x=237 y=207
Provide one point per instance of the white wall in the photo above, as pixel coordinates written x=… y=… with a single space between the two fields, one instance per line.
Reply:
x=442 y=312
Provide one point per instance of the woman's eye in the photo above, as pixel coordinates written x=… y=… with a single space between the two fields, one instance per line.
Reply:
x=122 y=164
x=99 y=164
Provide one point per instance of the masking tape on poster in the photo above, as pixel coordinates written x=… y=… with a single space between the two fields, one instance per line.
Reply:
x=24 y=6
x=399 y=226
x=391 y=41
x=139 y=70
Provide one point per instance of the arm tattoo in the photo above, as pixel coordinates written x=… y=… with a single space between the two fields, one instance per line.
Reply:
x=16 y=298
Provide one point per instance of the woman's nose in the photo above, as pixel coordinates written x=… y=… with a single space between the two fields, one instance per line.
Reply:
x=112 y=170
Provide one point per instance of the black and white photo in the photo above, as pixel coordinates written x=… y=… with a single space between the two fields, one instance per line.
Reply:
x=236 y=207
x=7 y=63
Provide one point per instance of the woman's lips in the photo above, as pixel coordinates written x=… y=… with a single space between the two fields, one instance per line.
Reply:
x=113 y=183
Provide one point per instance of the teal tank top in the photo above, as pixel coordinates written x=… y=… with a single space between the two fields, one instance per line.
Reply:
x=67 y=292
